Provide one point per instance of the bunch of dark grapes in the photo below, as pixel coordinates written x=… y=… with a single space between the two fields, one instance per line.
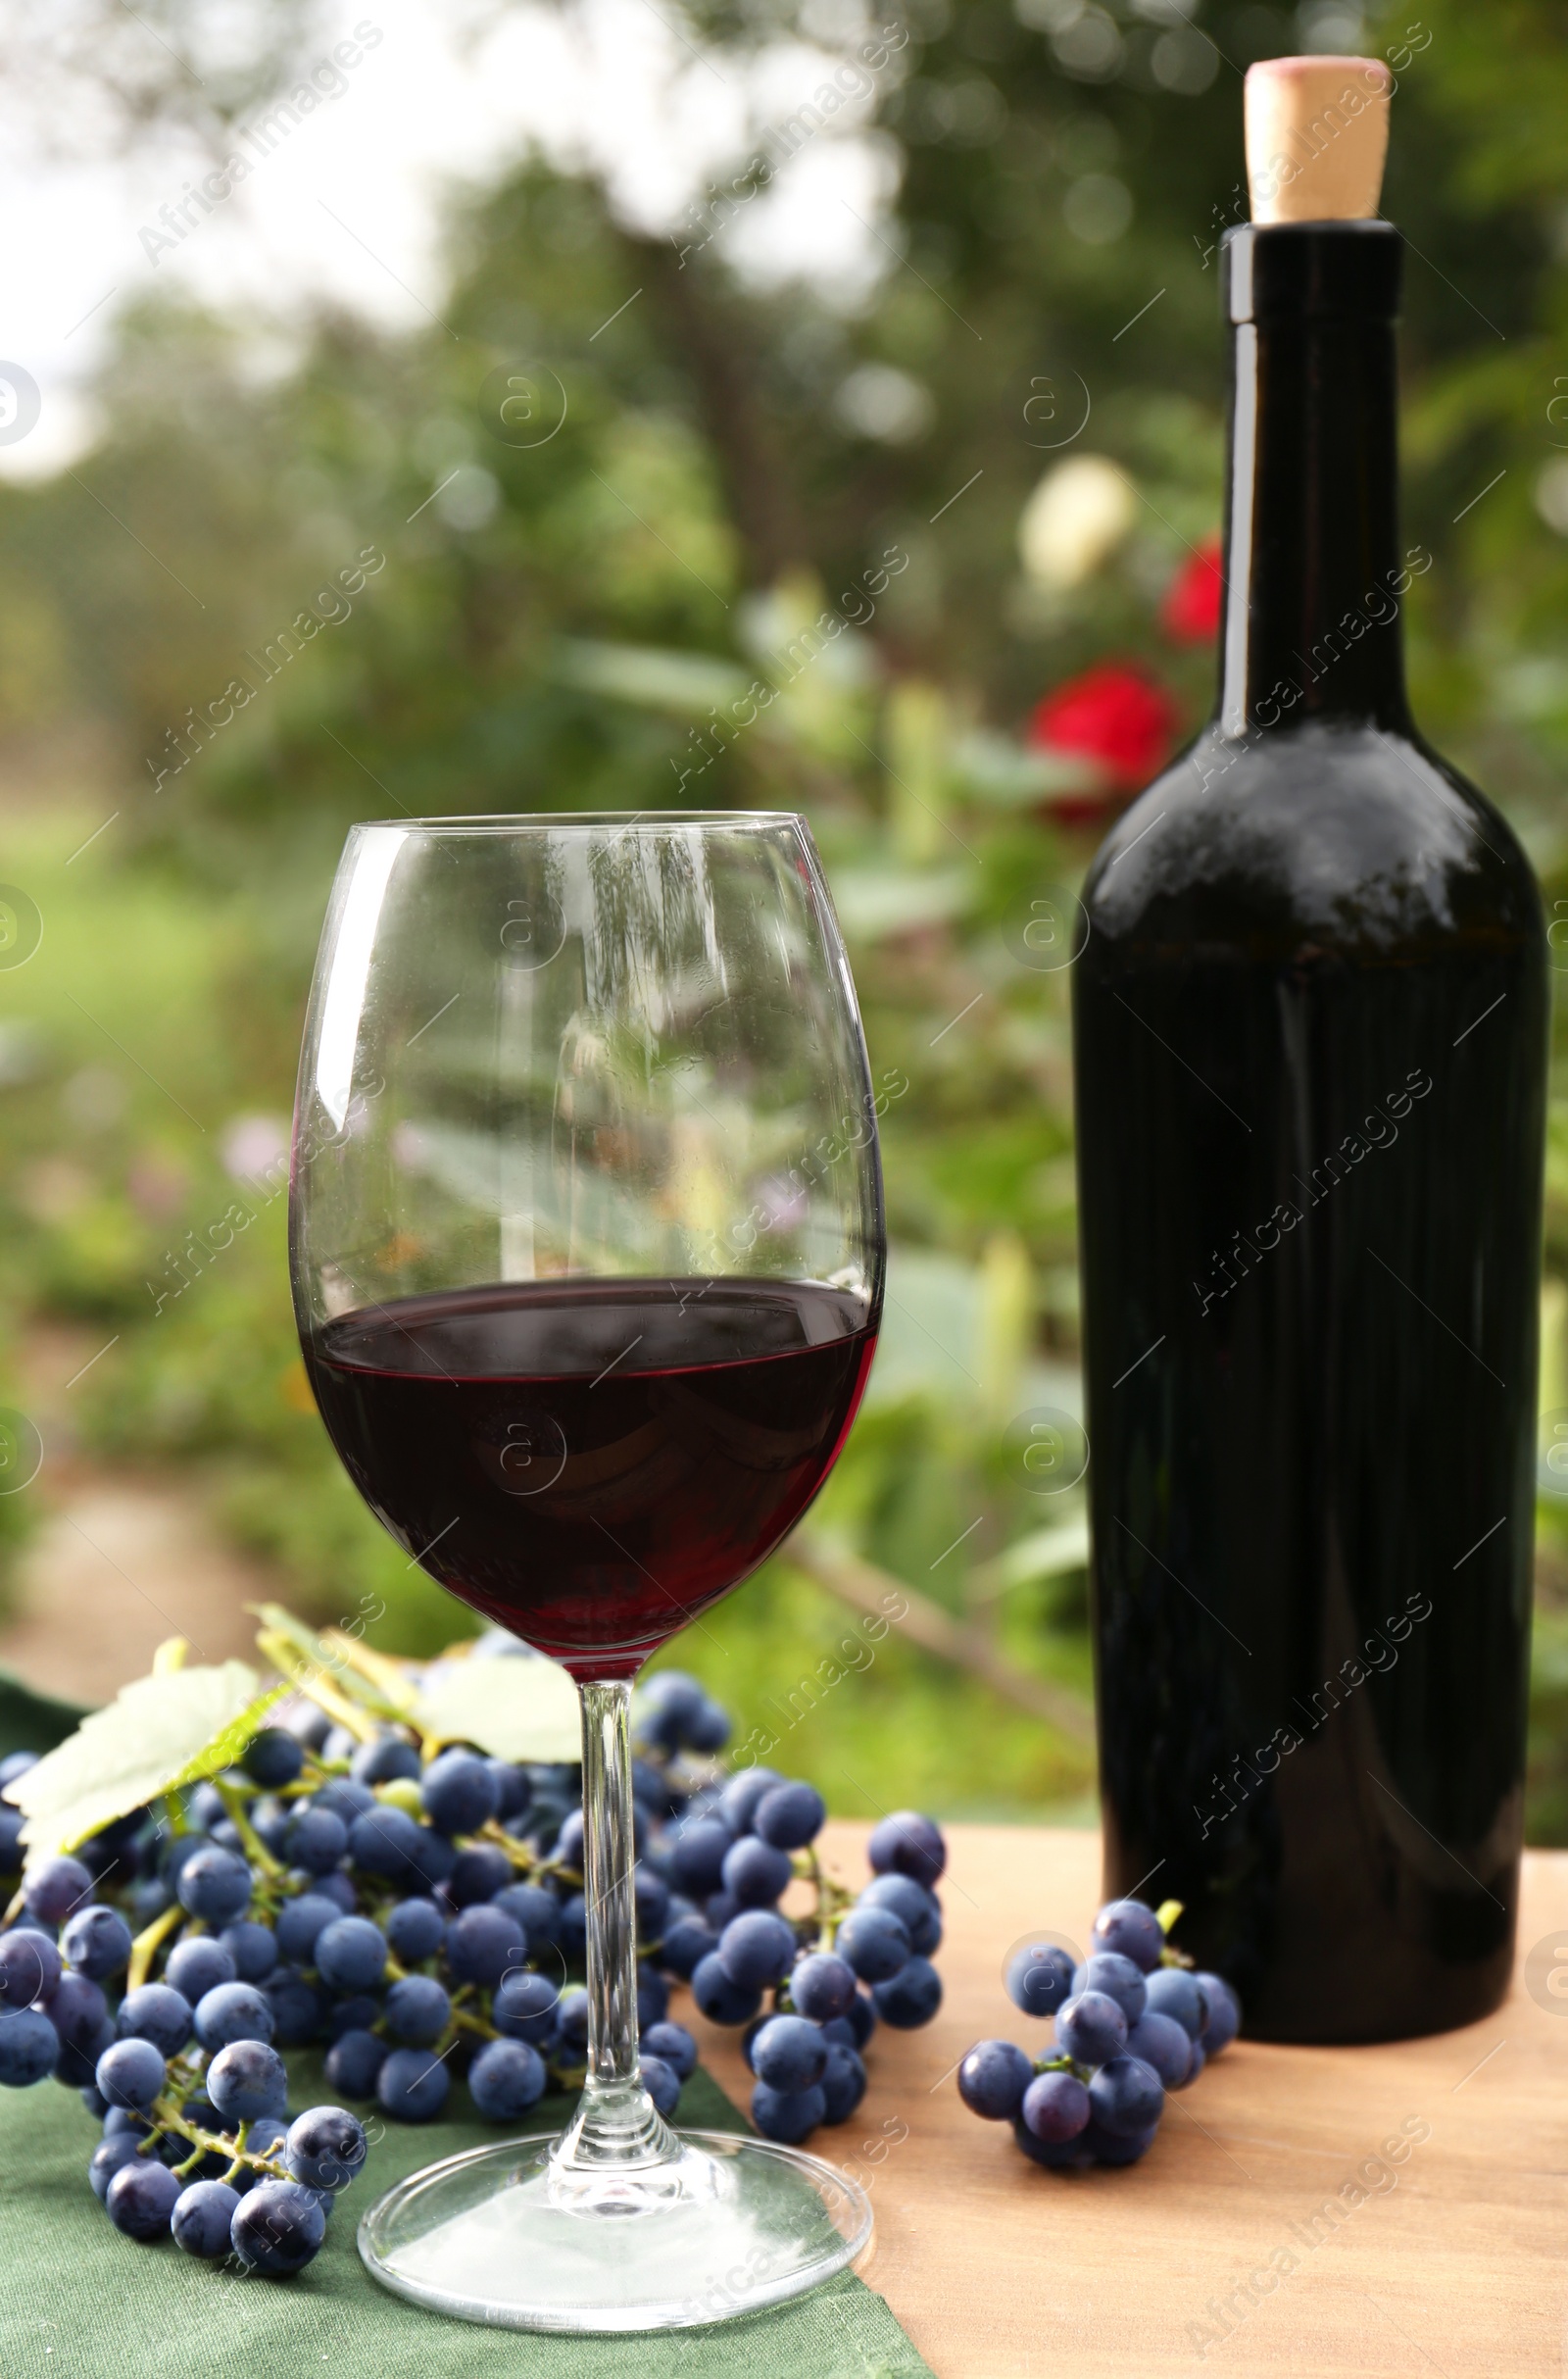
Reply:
x=827 y=1978
x=422 y=1919
x=1132 y=2021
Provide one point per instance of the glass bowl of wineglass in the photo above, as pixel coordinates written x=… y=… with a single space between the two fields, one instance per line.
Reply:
x=587 y=1251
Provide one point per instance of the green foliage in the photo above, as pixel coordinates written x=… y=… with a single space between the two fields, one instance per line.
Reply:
x=421 y=615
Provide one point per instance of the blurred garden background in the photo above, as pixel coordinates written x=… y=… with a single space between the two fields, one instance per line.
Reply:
x=901 y=392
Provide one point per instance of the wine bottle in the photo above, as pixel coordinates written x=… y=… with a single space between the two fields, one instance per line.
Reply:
x=1311 y=1026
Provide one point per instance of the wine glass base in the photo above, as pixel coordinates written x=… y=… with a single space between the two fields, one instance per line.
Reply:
x=737 y=2224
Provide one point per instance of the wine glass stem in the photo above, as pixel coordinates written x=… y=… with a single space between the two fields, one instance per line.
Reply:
x=609 y=1859
x=616 y=2127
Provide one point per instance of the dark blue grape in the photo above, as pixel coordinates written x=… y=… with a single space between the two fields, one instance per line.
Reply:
x=351 y=1954
x=29 y=2049
x=992 y=2079
x=30 y=1968
x=572 y=2019
x=203 y=2218
x=417 y=2011
x=130 y=2073
x=338 y=1888
x=789 y=2054
x=414 y=1931
x=384 y=1842
x=273 y=1758
x=757 y=1948
x=247 y=2079
x=387 y=1760
x=913 y=1903
x=78 y=2009
x=661 y=2083
x=1061 y=2156
x=1222 y=2013
x=276 y=2228
x=537 y=1910
x=94 y=2098
x=524 y=2007
x=908 y=1843
x=1055 y=2107
x=1114 y=2148
x=686 y=1944
x=158 y=2012
x=1127 y=2097
x=253 y=1947
x=653 y=1996
x=354 y=2062
x=300 y=1925
x=1199 y=2060
x=296 y=2007
x=97 y=1943
x=12 y=1852
x=790 y=1816
x=1039 y=1978
x=197 y=1966
x=512 y=1788
x=720 y=1999
x=1127 y=1926
x=568 y=1847
x=412 y=2086
x=327 y=2147
x=788 y=2118
x=1092 y=2029
x=215 y=1886
x=652 y=1902
x=843 y=2083
x=755 y=1874
x=1162 y=2043
x=107 y=2158
x=911 y=1998
x=697 y=1855
x=347 y=1797
x=207 y=1807
x=710 y=1729
x=483 y=1943
x=506 y=2079
x=53 y=1888
x=1171 y=1991
x=140 y=2198
x=675 y=2044
x=861 y=2019
x=235 y=2011
x=874 y=1943
x=572 y=1935
x=117 y=2120
x=316 y=1840
x=1108 y=1971
x=740 y=1795
x=822 y=1986
x=719 y=1909
x=476 y=1873
x=353 y=2015
x=458 y=1793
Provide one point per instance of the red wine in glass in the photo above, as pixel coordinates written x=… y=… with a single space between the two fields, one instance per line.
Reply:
x=591 y=1462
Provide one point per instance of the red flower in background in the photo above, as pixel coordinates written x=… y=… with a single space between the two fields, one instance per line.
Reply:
x=1191 y=609
x=1114 y=715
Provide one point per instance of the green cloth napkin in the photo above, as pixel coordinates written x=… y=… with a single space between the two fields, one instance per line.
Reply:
x=76 y=2296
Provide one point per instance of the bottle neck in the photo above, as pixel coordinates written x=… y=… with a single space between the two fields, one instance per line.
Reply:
x=1314 y=575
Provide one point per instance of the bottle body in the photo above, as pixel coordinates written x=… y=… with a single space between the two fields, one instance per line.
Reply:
x=1310 y=1031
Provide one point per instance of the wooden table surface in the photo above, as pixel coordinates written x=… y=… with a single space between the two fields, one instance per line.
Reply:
x=1451 y=2258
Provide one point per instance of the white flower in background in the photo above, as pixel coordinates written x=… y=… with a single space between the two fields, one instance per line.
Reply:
x=1076 y=517
x=253 y=1143
x=878 y=401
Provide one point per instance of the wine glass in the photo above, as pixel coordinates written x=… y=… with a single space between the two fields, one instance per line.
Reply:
x=587 y=1253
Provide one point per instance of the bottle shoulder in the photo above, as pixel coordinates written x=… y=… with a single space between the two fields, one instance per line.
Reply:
x=1349 y=837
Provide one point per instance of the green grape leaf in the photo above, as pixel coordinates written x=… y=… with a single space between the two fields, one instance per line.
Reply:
x=514 y=1708
x=159 y=1732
